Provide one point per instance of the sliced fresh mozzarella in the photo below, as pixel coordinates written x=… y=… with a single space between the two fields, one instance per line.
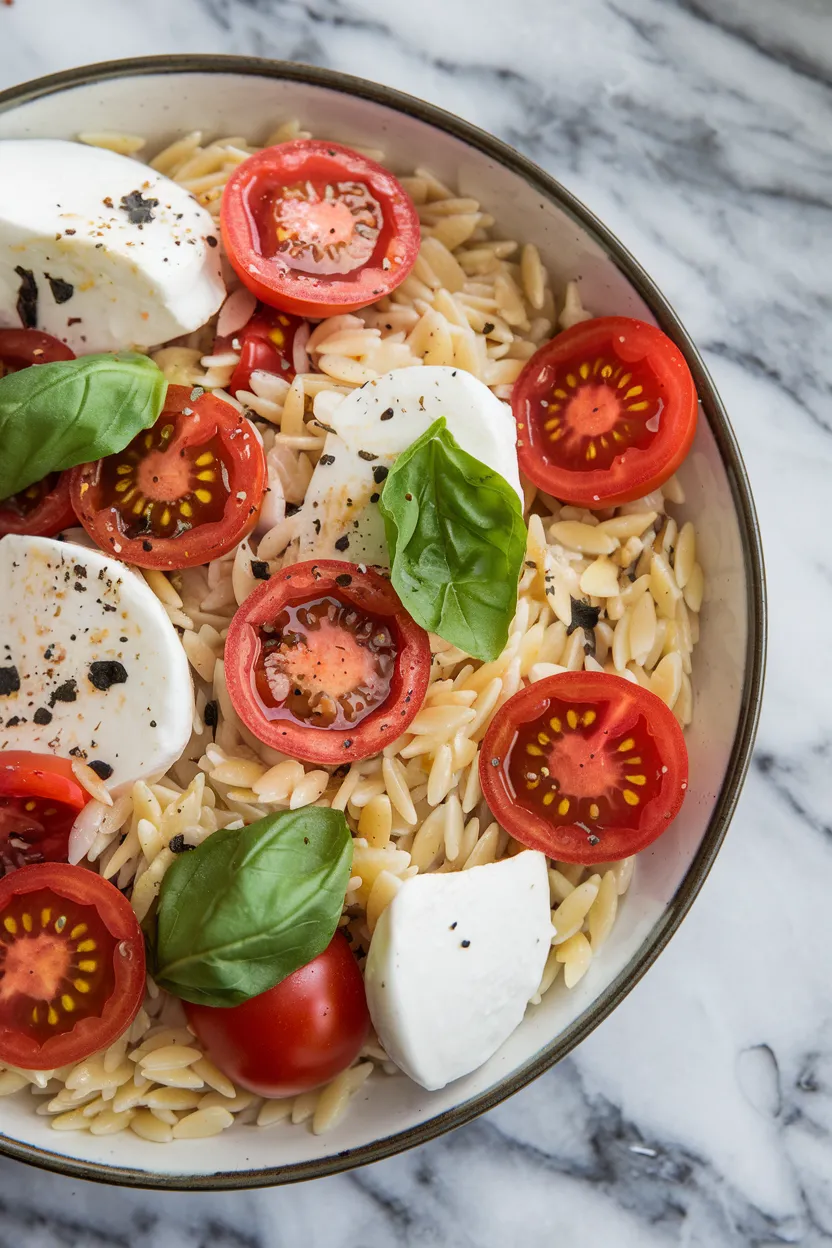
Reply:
x=447 y=984
x=90 y=664
x=374 y=424
x=340 y=518
x=101 y=251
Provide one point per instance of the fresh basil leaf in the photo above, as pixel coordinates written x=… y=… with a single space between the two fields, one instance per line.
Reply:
x=247 y=908
x=54 y=416
x=457 y=541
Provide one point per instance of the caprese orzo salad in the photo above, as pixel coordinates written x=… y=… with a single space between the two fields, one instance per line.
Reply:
x=346 y=633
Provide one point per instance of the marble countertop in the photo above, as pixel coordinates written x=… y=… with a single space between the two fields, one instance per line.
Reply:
x=700 y=1114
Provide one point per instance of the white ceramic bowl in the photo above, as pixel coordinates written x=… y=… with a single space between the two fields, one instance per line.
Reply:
x=165 y=97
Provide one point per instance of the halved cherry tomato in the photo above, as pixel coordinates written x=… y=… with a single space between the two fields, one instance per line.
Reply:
x=324 y=663
x=181 y=493
x=266 y=342
x=315 y=228
x=584 y=766
x=21 y=347
x=39 y=799
x=72 y=965
x=296 y=1036
x=605 y=412
x=41 y=510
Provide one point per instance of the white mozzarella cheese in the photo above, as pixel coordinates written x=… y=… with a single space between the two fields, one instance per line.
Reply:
x=77 y=261
x=373 y=425
x=90 y=664
x=453 y=962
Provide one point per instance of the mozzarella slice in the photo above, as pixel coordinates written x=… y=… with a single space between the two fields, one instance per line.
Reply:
x=340 y=518
x=453 y=962
x=101 y=251
x=373 y=425
x=90 y=664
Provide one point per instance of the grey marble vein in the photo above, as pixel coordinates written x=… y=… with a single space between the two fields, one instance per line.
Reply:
x=700 y=1114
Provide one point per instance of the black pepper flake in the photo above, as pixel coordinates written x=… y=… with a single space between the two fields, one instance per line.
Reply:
x=387 y=414
x=374 y=498
x=73 y=320
x=27 y=297
x=466 y=944
x=453 y=926
x=104 y=673
x=380 y=473
x=146 y=545
x=342 y=543
x=211 y=240
x=42 y=716
x=210 y=715
x=153 y=723
x=260 y=569
x=594 y=840
x=583 y=616
x=9 y=681
x=67 y=692
x=102 y=770
x=178 y=845
x=13 y=722
x=488 y=327
x=61 y=290
x=292 y=509
x=343 y=580
x=495 y=762
x=348 y=743
x=79 y=588
x=327 y=459
x=77 y=752
x=139 y=210
x=80 y=571
x=316 y=524
x=368 y=455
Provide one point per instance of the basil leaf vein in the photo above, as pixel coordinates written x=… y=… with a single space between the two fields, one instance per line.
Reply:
x=54 y=416
x=457 y=541
x=247 y=908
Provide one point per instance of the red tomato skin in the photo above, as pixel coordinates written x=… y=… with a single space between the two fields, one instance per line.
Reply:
x=205 y=541
x=20 y=348
x=302 y=293
x=368 y=590
x=258 y=351
x=89 y=1035
x=24 y=773
x=635 y=472
x=296 y=1036
x=568 y=842
x=49 y=517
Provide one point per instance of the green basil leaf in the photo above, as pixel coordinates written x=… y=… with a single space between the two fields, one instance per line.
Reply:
x=248 y=907
x=54 y=416
x=457 y=541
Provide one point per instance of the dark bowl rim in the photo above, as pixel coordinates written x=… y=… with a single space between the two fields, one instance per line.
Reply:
x=751 y=698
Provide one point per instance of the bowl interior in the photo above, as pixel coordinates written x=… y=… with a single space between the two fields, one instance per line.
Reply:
x=165 y=105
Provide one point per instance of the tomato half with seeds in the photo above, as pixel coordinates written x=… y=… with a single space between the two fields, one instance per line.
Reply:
x=605 y=412
x=584 y=766
x=19 y=348
x=41 y=510
x=181 y=493
x=266 y=342
x=72 y=965
x=315 y=228
x=324 y=663
x=39 y=801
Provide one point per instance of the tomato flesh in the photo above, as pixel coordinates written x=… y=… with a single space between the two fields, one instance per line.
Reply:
x=182 y=492
x=324 y=663
x=41 y=510
x=605 y=412
x=39 y=801
x=584 y=766
x=315 y=228
x=296 y=1036
x=266 y=343
x=19 y=348
x=72 y=965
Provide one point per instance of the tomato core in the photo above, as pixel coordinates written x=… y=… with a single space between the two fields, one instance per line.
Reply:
x=325 y=664
x=597 y=408
x=575 y=763
x=51 y=963
x=324 y=229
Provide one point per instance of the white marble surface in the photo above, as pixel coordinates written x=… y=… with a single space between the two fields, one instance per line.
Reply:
x=700 y=1114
